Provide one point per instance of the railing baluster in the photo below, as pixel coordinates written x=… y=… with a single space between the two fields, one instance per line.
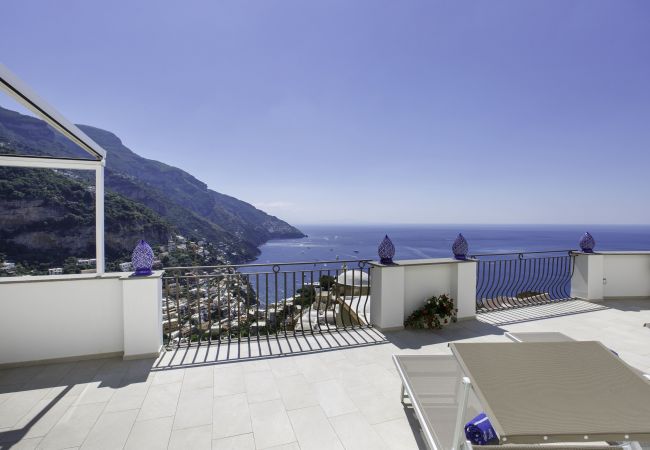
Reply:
x=227 y=280
x=520 y=280
x=516 y=280
x=318 y=296
x=238 y=300
x=365 y=303
x=177 y=289
x=208 y=306
x=218 y=312
x=330 y=289
x=285 y=310
x=302 y=306
x=494 y=292
x=198 y=307
x=553 y=278
x=539 y=277
x=307 y=305
x=313 y=301
x=266 y=307
x=169 y=316
x=342 y=299
x=257 y=307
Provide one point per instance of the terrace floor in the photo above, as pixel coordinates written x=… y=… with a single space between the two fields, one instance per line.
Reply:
x=330 y=398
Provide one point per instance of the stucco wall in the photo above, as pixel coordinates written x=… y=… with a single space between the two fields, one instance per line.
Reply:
x=626 y=275
x=422 y=282
x=74 y=316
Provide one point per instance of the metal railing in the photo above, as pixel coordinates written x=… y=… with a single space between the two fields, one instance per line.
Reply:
x=510 y=280
x=258 y=301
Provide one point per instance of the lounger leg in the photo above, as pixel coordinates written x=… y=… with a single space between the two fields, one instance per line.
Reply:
x=401 y=395
x=459 y=436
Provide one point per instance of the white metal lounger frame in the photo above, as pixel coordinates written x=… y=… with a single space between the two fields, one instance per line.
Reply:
x=459 y=440
x=459 y=435
x=406 y=391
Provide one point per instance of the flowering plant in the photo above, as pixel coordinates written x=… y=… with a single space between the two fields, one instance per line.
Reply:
x=436 y=312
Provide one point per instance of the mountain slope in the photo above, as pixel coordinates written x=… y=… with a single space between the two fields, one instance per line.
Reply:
x=45 y=216
x=231 y=214
x=175 y=196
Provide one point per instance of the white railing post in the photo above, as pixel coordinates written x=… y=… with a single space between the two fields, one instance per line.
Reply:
x=587 y=280
x=464 y=289
x=142 y=311
x=387 y=296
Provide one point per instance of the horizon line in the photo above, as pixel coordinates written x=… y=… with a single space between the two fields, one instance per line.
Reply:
x=467 y=224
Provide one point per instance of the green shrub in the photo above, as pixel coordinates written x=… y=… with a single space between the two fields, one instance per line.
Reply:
x=326 y=282
x=437 y=311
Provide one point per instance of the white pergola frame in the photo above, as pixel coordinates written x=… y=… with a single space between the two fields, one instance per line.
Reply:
x=24 y=95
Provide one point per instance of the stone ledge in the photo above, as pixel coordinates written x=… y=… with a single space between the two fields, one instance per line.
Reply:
x=70 y=277
x=421 y=262
x=78 y=277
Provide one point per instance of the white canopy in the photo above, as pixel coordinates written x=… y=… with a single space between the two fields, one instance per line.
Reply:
x=23 y=94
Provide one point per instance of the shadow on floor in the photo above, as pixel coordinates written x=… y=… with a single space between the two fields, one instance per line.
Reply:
x=12 y=437
x=531 y=313
x=265 y=347
x=627 y=304
x=58 y=382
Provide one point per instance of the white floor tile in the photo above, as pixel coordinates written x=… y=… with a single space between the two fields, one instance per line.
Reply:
x=271 y=425
x=313 y=430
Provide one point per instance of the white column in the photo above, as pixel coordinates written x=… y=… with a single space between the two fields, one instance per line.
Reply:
x=99 y=218
x=142 y=312
x=387 y=296
x=587 y=280
x=464 y=289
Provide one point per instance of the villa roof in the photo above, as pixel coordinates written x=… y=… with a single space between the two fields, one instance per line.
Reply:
x=353 y=277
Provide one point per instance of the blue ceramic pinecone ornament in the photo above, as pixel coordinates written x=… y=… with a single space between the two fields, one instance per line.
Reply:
x=587 y=243
x=142 y=259
x=460 y=247
x=386 y=251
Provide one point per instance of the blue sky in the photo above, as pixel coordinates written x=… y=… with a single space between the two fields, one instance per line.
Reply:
x=365 y=111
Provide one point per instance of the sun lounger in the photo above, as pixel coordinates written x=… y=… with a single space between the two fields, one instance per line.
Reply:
x=587 y=392
x=553 y=337
x=444 y=392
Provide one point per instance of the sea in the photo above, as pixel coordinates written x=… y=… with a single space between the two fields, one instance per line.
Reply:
x=351 y=242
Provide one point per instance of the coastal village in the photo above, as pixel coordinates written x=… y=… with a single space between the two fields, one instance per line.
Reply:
x=179 y=250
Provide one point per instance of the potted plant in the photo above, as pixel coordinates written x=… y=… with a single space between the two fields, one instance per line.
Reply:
x=437 y=311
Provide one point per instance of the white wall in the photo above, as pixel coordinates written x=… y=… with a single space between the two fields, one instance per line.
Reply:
x=398 y=290
x=626 y=275
x=611 y=275
x=67 y=316
x=424 y=281
x=587 y=279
